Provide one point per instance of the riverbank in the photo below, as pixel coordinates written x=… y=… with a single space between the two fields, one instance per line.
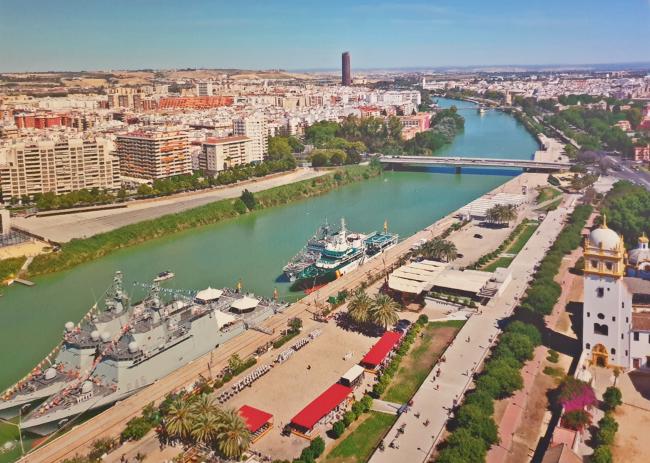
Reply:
x=77 y=252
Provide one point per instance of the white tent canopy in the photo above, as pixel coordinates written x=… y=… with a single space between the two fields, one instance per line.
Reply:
x=209 y=294
x=352 y=374
x=245 y=303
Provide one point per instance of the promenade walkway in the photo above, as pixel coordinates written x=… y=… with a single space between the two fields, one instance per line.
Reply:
x=437 y=396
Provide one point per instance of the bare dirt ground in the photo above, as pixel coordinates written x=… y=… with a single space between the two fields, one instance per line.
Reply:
x=631 y=444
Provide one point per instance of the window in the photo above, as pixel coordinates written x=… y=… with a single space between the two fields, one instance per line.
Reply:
x=636 y=336
x=626 y=353
x=627 y=319
x=622 y=305
x=613 y=319
x=601 y=316
x=622 y=335
x=588 y=314
x=601 y=329
x=587 y=346
x=609 y=265
x=594 y=263
x=600 y=292
x=613 y=351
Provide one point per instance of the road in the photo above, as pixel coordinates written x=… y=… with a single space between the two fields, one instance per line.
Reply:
x=439 y=394
x=63 y=228
x=550 y=165
x=625 y=173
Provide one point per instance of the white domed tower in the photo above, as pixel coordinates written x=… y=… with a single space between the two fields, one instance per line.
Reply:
x=638 y=260
x=607 y=311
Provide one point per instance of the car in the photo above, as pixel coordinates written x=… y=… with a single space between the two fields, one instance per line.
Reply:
x=478 y=235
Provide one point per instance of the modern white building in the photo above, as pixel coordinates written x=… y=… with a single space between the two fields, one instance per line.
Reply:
x=616 y=311
x=204 y=88
x=256 y=128
x=218 y=154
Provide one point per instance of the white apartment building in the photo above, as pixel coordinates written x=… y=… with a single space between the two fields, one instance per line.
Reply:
x=256 y=128
x=616 y=311
x=218 y=154
x=204 y=88
x=58 y=165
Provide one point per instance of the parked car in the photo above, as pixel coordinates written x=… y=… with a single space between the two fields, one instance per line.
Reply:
x=478 y=235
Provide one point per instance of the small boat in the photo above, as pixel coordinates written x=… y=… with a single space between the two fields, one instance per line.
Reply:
x=162 y=276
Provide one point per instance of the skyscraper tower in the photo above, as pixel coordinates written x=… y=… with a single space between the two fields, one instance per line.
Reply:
x=346 y=75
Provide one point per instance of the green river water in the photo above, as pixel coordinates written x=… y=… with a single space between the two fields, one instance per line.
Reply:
x=256 y=246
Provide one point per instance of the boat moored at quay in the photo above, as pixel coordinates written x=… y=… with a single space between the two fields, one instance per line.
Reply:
x=156 y=339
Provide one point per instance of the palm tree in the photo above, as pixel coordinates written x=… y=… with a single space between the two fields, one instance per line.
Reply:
x=509 y=213
x=233 y=435
x=439 y=249
x=204 y=405
x=205 y=426
x=448 y=250
x=359 y=307
x=384 y=311
x=178 y=421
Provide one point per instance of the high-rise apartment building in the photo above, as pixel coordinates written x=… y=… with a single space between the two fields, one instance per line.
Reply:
x=254 y=127
x=204 y=88
x=59 y=165
x=218 y=154
x=154 y=154
x=346 y=72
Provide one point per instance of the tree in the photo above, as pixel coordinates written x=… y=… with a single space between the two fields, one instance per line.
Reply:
x=234 y=363
x=206 y=425
x=612 y=398
x=144 y=190
x=338 y=429
x=337 y=157
x=384 y=311
x=439 y=249
x=473 y=419
x=526 y=329
x=463 y=447
x=233 y=436
x=279 y=148
x=519 y=344
x=359 y=307
x=178 y=421
x=248 y=199
x=319 y=159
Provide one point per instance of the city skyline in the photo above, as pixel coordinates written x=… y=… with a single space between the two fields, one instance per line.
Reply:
x=306 y=35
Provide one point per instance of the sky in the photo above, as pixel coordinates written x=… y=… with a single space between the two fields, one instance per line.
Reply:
x=38 y=35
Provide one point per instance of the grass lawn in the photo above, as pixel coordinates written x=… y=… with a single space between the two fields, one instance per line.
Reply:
x=547 y=193
x=420 y=360
x=500 y=262
x=358 y=445
x=551 y=206
x=522 y=238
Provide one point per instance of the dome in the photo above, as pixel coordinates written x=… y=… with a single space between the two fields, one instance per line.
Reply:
x=604 y=237
x=69 y=326
x=133 y=347
x=94 y=335
x=106 y=336
x=638 y=255
x=50 y=373
x=87 y=387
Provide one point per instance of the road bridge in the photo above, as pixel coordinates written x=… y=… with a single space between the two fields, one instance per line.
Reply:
x=459 y=162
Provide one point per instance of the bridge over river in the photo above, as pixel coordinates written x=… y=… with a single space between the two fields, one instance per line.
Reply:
x=459 y=162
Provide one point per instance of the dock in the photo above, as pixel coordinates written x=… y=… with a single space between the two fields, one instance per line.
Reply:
x=22 y=281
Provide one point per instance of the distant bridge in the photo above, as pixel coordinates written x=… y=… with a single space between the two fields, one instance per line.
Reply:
x=458 y=163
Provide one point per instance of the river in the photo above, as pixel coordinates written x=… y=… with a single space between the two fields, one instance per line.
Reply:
x=256 y=246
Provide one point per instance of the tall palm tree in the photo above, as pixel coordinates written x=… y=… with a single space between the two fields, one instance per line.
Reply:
x=359 y=307
x=439 y=249
x=384 y=311
x=448 y=250
x=206 y=426
x=178 y=422
x=509 y=213
x=233 y=436
x=204 y=405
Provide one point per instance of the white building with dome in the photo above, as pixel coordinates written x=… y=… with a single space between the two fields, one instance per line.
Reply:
x=616 y=311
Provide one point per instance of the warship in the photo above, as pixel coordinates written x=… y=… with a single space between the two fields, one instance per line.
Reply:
x=158 y=338
x=79 y=349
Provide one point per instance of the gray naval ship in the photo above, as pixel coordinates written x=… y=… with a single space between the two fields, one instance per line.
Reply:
x=75 y=356
x=158 y=338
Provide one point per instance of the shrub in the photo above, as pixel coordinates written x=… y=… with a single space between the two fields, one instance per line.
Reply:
x=602 y=454
x=248 y=199
x=423 y=319
x=338 y=429
x=135 y=429
x=317 y=446
x=612 y=398
x=307 y=454
x=349 y=418
x=576 y=420
x=102 y=446
x=553 y=356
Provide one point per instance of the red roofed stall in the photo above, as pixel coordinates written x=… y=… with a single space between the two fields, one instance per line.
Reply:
x=258 y=421
x=303 y=423
x=378 y=353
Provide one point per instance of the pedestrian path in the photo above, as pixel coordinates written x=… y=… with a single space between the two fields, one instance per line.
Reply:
x=446 y=384
x=385 y=407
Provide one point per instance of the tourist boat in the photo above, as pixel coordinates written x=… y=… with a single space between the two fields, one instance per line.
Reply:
x=162 y=276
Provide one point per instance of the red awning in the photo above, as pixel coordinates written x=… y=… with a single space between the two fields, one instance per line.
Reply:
x=254 y=417
x=381 y=349
x=321 y=406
